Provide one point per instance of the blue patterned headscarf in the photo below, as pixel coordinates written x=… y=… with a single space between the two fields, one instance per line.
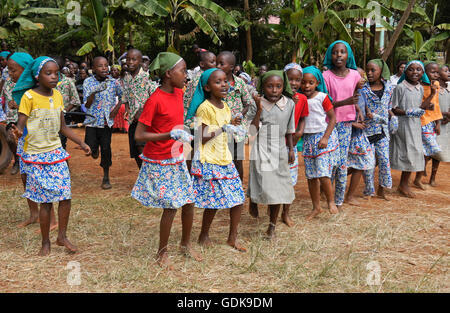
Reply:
x=294 y=66
x=28 y=79
x=351 y=63
x=424 y=77
x=318 y=75
x=199 y=94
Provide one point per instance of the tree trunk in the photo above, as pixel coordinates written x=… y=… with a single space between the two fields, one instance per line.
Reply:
x=166 y=34
x=248 y=34
x=372 y=47
x=364 y=44
x=130 y=36
x=398 y=29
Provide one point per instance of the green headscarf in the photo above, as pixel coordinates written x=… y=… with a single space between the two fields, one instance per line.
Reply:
x=21 y=58
x=199 y=94
x=351 y=63
x=163 y=62
x=28 y=79
x=287 y=91
x=385 y=73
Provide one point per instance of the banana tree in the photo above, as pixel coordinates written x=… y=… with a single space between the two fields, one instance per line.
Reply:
x=173 y=9
x=15 y=16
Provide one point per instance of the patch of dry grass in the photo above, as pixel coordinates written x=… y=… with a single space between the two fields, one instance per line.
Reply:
x=118 y=238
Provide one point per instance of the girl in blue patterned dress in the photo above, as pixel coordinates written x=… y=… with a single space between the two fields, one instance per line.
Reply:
x=216 y=181
x=320 y=145
x=164 y=181
x=41 y=119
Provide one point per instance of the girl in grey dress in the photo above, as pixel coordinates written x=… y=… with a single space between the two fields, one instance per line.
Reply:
x=443 y=139
x=272 y=151
x=406 y=149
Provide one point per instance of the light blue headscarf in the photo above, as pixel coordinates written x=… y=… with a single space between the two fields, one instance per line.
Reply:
x=199 y=94
x=21 y=58
x=28 y=79
x=424 y=77
x=318 y=75
x=4 y=54
x=351 y=63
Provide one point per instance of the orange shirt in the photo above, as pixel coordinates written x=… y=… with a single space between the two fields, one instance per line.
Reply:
x=435 y=114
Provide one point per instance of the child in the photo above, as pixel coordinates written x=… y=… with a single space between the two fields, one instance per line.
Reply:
x=164 y=181
x=400 y=68
x=443 y=139
x=375 y=100
x=41 y=119
x=342 y=80
x=320 y=146
x=137 y=88
x=100 y=94
x=216 y=182
x=294 y=74
x=406 y=148
x=273 y=150
x=430 y=121
x=238 y=99
x=120 y=123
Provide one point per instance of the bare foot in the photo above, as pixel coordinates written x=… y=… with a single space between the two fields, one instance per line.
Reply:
x=406 y=192
x=52 y=227
x=236 y=246
x=45 y=250
x=31 y=220
x=352 y=201
x=188 y=252
x=419 y=185
x=313 y=214
x=382 y=195
x=367 y=198
x=270 y=233
x=433 y=183
x=253 y=210
x=205 y=241
x=286 y=219
x=163 y=261
x=64 y=242
x=334 y=208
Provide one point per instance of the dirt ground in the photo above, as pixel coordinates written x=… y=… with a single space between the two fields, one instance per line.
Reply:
x=117 y=238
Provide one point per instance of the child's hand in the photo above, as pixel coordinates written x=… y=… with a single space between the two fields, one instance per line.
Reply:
x=291 y=158
x=359 y=125
x=237 y=119
x=438 y=129
x=434 y=87
x=16 y=132
x=13 y=105
x=323 y=143
x=181 y=135
x=369 y=114
x=86 y=148
x=257 y=99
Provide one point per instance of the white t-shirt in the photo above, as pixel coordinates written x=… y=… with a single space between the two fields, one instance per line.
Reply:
x=394 y=79
x=316 y=122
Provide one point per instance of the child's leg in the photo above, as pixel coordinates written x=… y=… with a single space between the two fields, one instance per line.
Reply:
x=187 y=219
x=285 y=215
x=164 y=232
x=325 y=183
x=369 y=182
x=274 y=211
x=208 y=216
x=106 y=161
x=253 y=209
x=419 y=175
x=434 y=169
x=384 y=167
x=13 y=147
x=403 y=188
x=235 y=218
x=33 y=206
x=354 y=181
x=44 y=221
x=314 y=191
x=63 y=217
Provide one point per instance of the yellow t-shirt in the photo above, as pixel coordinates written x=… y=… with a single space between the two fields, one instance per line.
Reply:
x=215 y=151
x=44 y=121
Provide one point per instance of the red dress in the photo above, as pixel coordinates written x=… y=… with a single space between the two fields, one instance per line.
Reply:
x=119 y=121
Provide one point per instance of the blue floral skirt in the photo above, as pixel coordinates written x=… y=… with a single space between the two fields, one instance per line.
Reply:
x=216 y=186
x=22 y=164
x=430 y=145
x=320 y=162
x=48 y=176
x=164 y=184
x=361 y=154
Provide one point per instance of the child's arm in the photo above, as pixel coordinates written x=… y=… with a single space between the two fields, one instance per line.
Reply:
x=66 y=131
x=142 y=135
x=299 y=131
x=21 y=122
x=256 y=119
x=323 y=143
x=290 y=144
x=207 y=135
x=349 y=101
x=426 y=104
x=438 y=127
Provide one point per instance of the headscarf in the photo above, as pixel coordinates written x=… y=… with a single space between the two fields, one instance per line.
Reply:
x=245 y=76
x=322 y=87
x=21 y=58
x=117 y=66
x=294 y=66
x=28 y=79
x=4 y=54
x=287 y=91
x=163 y=62
x=385 y=73
x=424 y=77
x=199 y=94
x=351 y=63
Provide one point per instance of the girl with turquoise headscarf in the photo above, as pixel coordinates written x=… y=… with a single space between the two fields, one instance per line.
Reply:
x=41 y=120
x=342 y=80
x=216 y=181
x=320 y=140
x=406 y=147
x=273 y=152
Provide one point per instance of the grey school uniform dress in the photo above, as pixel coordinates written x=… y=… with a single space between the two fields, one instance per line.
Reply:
x=270 y=180
x=443 y=139
x=406 y=148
